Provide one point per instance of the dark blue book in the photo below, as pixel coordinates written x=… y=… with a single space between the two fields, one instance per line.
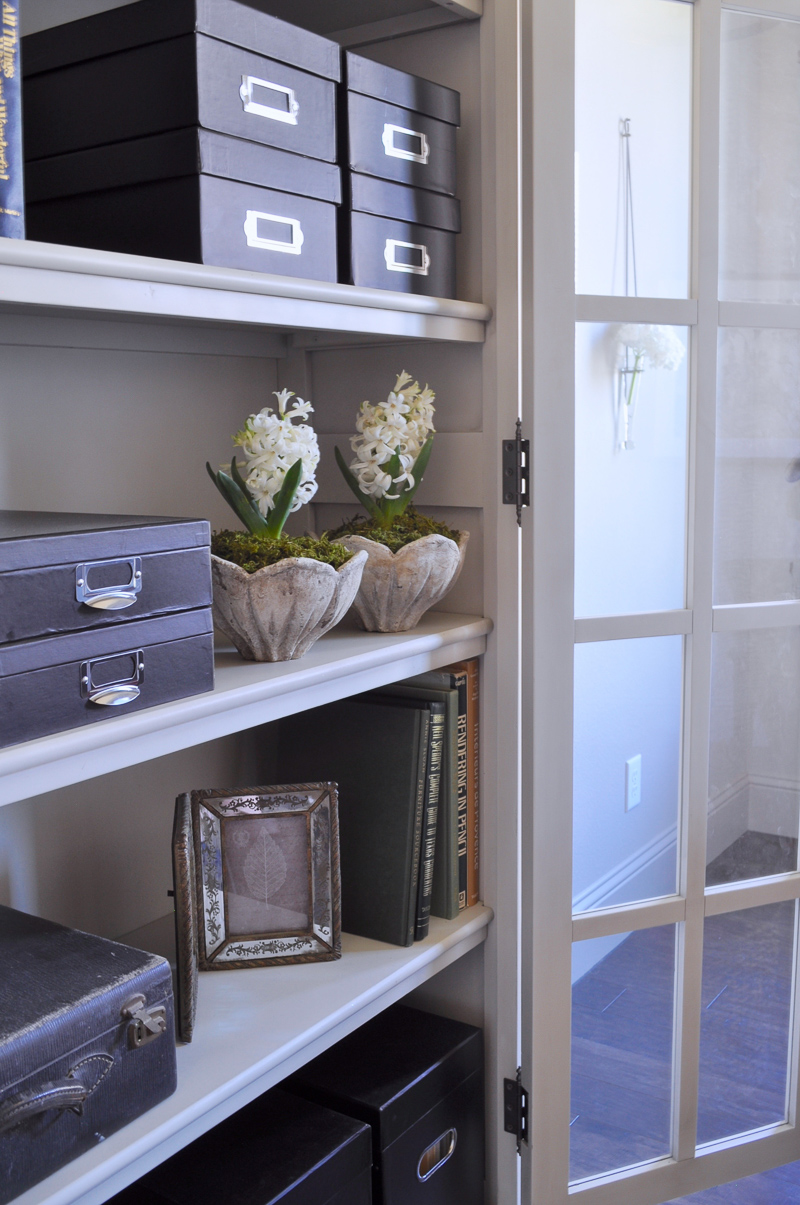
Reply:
x=12 y=206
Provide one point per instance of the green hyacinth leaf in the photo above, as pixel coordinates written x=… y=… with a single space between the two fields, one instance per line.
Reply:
x=370 y=506
x=420 y=465
x=241 y=505
x=284 y=498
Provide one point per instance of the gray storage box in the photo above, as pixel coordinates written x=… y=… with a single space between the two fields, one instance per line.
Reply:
x=87 y=1043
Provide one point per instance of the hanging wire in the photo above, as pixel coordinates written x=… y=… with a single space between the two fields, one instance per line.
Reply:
x=630 y=234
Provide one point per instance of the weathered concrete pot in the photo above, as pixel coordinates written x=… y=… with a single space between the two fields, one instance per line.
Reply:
x=397 y=588
x=277 y=613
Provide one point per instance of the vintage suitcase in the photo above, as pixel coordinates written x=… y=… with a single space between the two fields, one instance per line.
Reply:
x=280 y=1148
x=417 y=1080
x=63 y=572
x=400 y=127
x=192 y=195
x=395 y=237
x=153 y=66
x=60 y=682
x=86 y=1044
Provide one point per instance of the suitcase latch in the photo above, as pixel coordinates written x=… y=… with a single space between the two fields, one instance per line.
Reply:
x=146 y=1024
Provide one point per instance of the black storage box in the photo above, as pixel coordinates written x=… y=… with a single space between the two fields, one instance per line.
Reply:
x=160 y=65
x=417 y=1079
x=63 y=572
x=400 y=127
x=401 y=238
x=192 y=195
x=59 y=682
x=86 y=1044
x=279 y=1148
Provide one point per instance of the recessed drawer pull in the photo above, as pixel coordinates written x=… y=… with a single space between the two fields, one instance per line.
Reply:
x=119 y=690
x=257 y=231
x=109 y=598
x=284 y=106
x=406 y=257
x=436 y=1155
x=400 y=143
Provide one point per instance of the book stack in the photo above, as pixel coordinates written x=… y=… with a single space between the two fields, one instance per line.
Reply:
x=406 y=762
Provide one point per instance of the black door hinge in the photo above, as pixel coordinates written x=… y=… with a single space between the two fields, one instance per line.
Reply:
x=515 y=1109
x=516 y=455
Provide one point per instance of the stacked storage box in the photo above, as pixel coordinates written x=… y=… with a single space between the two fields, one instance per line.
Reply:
x=199 y=130
x=101 y=615
x=398 y=230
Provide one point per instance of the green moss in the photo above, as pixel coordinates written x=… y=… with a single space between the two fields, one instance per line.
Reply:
x=254 y=552
x=404 y=529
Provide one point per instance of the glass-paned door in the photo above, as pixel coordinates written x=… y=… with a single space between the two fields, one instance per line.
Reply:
x=661 y=1033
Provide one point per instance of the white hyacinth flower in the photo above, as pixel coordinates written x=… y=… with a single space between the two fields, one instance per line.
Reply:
x=272 y=443
x=402 y=424
x=658 y=346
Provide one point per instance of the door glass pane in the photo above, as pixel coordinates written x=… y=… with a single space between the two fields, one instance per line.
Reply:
x=759 y=163
x=744 y=1023
x=630 y=468
x=634 y=63
x=754 y=776
x=757 y=524
x=626 y=770
x=622 y=991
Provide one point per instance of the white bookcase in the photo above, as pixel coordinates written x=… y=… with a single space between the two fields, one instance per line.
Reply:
x=119 y=377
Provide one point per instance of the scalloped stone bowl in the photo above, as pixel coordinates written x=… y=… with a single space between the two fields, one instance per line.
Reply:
x=397 y=588
x=277 y=613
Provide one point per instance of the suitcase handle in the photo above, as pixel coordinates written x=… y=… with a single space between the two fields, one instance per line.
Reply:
x=68 y=1093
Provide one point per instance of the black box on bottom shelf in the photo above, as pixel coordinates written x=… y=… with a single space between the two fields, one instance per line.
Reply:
x=195 y=196
x=417 y=1080
x=87 y=1044
x=60 y=682
x=396 y=237
x=279 y=1148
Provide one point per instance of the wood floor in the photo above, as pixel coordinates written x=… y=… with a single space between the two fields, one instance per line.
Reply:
x=622 y=1037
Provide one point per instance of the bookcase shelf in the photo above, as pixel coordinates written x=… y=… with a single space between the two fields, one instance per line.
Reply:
x=345 y=662
x=254 y=1027
x=75 y=281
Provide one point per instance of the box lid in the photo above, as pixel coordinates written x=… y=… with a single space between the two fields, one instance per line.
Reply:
x=155 y=21
x=401 y=88
x=24 y=656
x=31 y=539
x=49 y=971
x=279 y=1148
x=186 y=152
x=394 y=1069
x=369 y=194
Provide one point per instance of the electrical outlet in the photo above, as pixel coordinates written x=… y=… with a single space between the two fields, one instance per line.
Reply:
x=633 y=782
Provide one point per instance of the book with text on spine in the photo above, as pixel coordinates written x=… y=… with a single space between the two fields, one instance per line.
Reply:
x=12 y=209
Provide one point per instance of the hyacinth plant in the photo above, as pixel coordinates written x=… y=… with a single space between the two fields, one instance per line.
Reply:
x=642 y=346
x=281 y=455
x=392 y=450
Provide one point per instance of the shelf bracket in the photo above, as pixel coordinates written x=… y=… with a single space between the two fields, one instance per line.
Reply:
x=516 y=458
x=515 y=1109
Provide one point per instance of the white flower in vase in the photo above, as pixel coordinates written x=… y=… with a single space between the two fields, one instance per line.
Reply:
x=640 y=346
x=272 y=443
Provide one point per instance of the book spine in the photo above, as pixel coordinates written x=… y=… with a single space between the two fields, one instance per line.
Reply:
x=12 y=211
x=422 y=782
x=462 y=774
x=473 y=796
x=433 y=788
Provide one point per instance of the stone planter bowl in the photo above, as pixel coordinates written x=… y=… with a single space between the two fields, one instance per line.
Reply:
x=278 y=612
x=397 y=588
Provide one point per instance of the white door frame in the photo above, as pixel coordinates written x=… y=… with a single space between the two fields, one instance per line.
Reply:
x=550 y=309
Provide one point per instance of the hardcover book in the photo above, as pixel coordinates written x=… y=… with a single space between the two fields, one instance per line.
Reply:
x=376 y=750
x=12 y=208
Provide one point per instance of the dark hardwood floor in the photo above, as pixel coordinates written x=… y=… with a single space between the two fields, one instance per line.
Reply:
x=622 y=1037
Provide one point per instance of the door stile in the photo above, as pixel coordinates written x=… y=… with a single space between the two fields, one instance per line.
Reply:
x=703 y=391
x=548 y=315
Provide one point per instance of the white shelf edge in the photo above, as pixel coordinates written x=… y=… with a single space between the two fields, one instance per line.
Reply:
x=82 y=280
x=152 y=1138
x=343 y=663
